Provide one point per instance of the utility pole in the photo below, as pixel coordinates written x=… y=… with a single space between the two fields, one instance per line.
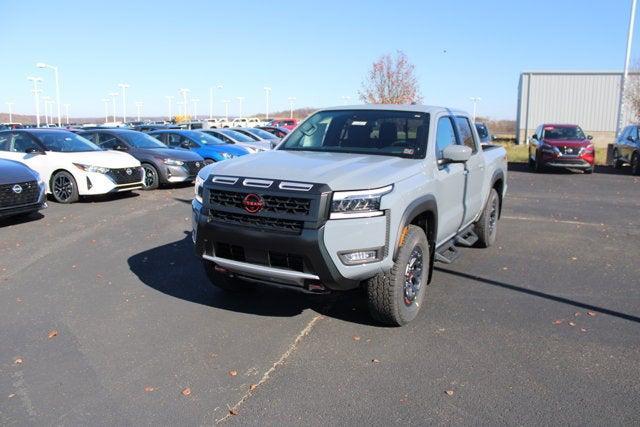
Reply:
x=195 y=108
x=106 y=109
x=475 y=101
x=170 y=99
x=139 y=105
x=55 y=72
x=66 y=111
x=46 y=100
x=184 y=93
x=36 y=94
x=10 y=105
x=124 y=87
x=113 y=102
x=226 y=109
x=627 y=59
x=240 y=99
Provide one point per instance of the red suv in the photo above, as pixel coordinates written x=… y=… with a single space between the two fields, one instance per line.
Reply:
x=289 y=124
x=561 y=146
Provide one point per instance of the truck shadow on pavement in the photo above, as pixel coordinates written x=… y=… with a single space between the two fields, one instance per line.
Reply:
x=175 y=270
x=539 y=294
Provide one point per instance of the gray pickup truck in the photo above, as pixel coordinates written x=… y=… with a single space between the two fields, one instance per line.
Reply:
x=367 y=196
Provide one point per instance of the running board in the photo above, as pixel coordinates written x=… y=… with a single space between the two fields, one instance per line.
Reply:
x=449 y=252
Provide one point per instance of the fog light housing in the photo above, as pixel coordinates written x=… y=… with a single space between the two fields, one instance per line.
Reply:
x=362 y=256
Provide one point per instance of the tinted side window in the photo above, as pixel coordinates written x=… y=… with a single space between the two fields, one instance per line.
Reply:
x=634 y=133
x=108 y=142
x=445 y=135
x=173 y=139
x=4 y=141
x=160 y=137
x=21 y=143
x=91 y=137
x=466 y=135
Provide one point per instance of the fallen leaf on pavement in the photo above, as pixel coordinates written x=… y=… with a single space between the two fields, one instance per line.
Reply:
x=18 y=361
x=449 y=392
x=577 y=314
x=233 y=373
x=186 y=391
x=572 y=324
x=149 y=389
x=356 y=338
x=591 y=313
x=52 y=334
x=557 y=322
x=375 y=361
x=233 y=411
x=253 y=387
x=583 y=330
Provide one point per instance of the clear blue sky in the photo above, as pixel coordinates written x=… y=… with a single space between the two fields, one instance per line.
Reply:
x=317 y=52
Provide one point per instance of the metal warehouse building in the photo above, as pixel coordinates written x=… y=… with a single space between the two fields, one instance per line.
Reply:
x=588 y=99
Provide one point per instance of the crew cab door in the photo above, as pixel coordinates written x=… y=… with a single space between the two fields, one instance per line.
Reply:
x=450 y=182
x=474 y=198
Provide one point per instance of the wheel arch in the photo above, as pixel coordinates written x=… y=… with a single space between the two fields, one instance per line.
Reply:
x=497 y=183
x=422 y=212
x=54 y=172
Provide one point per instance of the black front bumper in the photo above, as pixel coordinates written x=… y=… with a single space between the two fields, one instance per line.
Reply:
x=302 y=250
x=22 y=209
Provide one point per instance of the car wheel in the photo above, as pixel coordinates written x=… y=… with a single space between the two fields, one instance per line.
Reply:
x=209 y=161
x=617 y=163
x=224 y=281
x=539 y=166
x=64 y=188
x=532 y=163
x=151 y=177
x=395 y=297
x=487 y=226
x=635 y=164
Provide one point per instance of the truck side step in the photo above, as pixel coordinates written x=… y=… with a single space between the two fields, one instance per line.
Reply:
x=467 y=238
x=447 y=253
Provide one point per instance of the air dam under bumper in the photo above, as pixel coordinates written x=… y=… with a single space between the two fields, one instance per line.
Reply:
x=294 y=260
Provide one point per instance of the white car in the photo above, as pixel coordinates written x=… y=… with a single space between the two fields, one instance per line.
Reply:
x=70 y=165
x=242 y=122
x=231 y=136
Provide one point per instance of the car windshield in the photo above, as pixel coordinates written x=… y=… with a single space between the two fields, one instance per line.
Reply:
x=204 y=138
x=236 y=136
x=262 y=133
x=142 y=140
x=482 y=130
x=65 y=142
x=389 y=133
x=563 y=133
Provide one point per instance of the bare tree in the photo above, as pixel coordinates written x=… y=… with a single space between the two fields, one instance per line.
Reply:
x=391 y=80
x=631 y=98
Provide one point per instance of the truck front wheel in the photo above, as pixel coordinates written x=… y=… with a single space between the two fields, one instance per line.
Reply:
x=395 y=297
x=224 y=281
x=487 y=225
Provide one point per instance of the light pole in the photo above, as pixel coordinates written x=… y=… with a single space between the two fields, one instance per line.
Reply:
x=46 y=100
x=106 y=109
x=627 y=59
x=10 y=105
x=475 y=101
x=55 y=71
x=184 y=93
x=170 y=100
x=226 y=109
x=66 y=112
x=240 y=99
x=267 y=92
x=124 y=87
x=195 y=108
x=139 y=105
x=36 y=94
x=113 y=104
x=291 y=101
x=211 y=90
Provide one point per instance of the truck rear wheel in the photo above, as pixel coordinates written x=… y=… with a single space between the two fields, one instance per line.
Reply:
x=487 y=225
x=224 y=281
x=395 y=297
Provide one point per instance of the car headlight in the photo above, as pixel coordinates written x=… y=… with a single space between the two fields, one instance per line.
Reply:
x=91 y=168
x=549 y=149
x=198 y=188
x=358 y=204
x=172 y=162
x=227 y=155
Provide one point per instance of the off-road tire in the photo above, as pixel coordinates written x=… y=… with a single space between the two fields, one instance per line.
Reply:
x=385 y=291
x=224 y=282
x=635 y=164
x=617 y=163
x=484 y=229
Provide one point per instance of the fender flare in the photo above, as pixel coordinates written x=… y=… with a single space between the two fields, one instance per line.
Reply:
x=498 y=175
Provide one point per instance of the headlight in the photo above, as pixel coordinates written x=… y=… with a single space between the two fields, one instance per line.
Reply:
x=91 y=168
x=172 y=162
x=549 y=149
x=198 y=188
x=358 y=204
x=226 y=155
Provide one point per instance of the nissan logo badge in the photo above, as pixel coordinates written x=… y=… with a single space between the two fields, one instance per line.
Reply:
x=252 y=203
x=197 y=164
x=129 y=171
x=17 y=189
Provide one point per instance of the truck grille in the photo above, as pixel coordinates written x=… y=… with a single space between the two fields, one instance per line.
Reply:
x=193 y=168
x=121 y=176
x=269 y=258
x=27 y=196
x=259 y=222
x=272 y=204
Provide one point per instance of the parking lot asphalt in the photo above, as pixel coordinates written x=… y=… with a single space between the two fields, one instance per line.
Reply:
x=107 y=318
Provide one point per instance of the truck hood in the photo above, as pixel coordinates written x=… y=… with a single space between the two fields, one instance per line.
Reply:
x=341 y=171
x=107 y=159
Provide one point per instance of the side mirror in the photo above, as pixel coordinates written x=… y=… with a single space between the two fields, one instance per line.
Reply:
x=493 y=137
x=456 y=154
x=630 y=138
x=33 y=150
x=589 y=137
x=534 y=136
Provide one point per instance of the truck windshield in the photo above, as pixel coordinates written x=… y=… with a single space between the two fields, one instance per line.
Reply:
x=382 y=132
